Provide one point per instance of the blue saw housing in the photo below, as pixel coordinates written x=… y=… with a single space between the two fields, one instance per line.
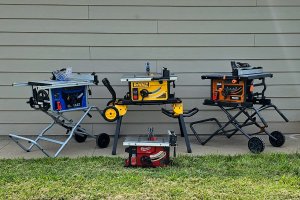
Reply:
x=69 y=98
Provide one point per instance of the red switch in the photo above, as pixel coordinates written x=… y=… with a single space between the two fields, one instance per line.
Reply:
x=135 y=94
x=58 y=105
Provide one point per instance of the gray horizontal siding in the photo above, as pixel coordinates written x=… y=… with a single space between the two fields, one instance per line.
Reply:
x=144 y=53
x=193 y=13
x=138 y=2
x=131 y=65
x=161 y=40
x=127 y=128
x=113 y=37
x=135 y=117
x=189 y=103
x=181 y=91
x=184 y=79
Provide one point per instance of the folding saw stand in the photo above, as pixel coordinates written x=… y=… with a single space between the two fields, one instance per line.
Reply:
x=54 y=98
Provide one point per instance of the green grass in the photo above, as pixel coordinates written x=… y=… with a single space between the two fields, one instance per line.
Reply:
x=266 y=176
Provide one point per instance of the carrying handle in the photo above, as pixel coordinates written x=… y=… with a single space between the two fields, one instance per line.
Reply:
x=191 y=112
x=166 y=112
x=185 y=114
x=107 y=84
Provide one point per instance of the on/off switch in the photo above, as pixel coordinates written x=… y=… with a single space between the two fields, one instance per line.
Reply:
x=135 y=94
x=58 y=105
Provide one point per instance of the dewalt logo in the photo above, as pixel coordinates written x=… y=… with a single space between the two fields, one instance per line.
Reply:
x=141 y=84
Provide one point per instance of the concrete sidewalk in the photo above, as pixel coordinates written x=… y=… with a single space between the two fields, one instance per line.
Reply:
x=219 y=145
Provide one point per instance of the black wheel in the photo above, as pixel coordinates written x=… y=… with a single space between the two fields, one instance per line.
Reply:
x=80 y=138
x=256 y=145
x=102 y=140
x=110 y=113
x=279 y=141
x=146 y=161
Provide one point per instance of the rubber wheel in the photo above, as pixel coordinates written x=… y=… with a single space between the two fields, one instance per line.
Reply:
x=80 y=138
x=102 y=140
x=279 y=141
x=256 y=145
x=110 y=113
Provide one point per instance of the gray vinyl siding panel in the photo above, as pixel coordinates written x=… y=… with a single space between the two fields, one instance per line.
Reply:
x=90 y=39
x=130 y=65
x=181 y=91
x=137 y=2
x=43 y=11
x=291 y=103
x=193 y=13
x=249 y=26
x=114 y=37
x=77 y=26
x=184 y=79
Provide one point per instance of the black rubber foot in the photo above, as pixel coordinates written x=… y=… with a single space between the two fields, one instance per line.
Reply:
x=80 y=138
x=256 y=145
x=102 y=140
x=279 y=141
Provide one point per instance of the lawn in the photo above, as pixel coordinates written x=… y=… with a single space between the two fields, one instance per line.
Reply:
x=265 y=176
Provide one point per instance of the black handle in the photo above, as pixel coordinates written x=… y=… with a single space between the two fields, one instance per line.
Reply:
x=166 y=112
x=191 y=112
x=107 y=84
x=96 y=81
x=185 y=114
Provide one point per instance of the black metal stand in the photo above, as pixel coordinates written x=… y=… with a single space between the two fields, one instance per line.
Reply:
x=232 y=120
x=184 y=133
x=117 y=135
x=181 y=123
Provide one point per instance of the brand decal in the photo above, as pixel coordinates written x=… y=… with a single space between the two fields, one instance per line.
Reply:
x=140 y=84
x=145 y=148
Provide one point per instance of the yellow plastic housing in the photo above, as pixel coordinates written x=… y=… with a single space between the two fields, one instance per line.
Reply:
x=178 y=109
x=158 y=90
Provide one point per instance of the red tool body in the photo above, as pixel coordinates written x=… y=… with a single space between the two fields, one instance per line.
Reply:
x=149 y=151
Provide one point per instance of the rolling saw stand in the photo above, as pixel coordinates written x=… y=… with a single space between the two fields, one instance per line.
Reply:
x=146 y=89
x=235 y=92
x=54 y=98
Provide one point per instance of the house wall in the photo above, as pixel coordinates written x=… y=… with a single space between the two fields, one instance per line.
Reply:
x=190 y=37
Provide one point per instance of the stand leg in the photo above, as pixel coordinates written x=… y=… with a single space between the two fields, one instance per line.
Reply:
x=184 y=133
x=180 y=126
x=116 y=137
x=72 y=132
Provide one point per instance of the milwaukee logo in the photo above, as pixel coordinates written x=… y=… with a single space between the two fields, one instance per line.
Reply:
x=145 y=148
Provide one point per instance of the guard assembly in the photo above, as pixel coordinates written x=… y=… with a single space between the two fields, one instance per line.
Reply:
x=241 y=92
x=66 y=92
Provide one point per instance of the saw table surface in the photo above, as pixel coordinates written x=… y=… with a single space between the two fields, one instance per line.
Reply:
x=143 y=141
x=146 y=77
x=54 y=84
x=228 y=75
